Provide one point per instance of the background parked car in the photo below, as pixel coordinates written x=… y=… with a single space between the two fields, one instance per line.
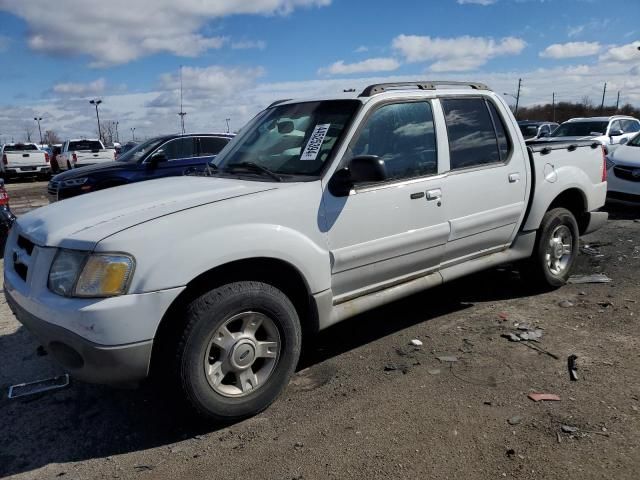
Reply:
x=623 y=180
x=535 y=129
x=23 y=160
x=82 y=152
x=165 y=156
x=609 y=131
x=6 y=217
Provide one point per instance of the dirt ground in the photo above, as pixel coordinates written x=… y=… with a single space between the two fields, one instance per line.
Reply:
x=367 y=404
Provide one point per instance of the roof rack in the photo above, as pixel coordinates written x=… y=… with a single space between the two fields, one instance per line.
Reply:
x=383 y=87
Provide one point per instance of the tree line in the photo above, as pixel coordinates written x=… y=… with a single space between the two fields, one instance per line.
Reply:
x=563 y=111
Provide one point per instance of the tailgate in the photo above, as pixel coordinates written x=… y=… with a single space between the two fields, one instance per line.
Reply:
x=26 y=158
x=89 y=156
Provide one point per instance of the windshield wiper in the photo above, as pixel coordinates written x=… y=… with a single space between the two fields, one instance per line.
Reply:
x=253 y=167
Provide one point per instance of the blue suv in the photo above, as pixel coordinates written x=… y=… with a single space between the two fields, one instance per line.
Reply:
x=166 y=156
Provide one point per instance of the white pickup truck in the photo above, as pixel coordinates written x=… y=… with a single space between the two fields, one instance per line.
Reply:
x=23 y=160
x=82 y=152
x=319 y=210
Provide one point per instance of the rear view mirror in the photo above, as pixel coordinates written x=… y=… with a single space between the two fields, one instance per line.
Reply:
x=285 y=127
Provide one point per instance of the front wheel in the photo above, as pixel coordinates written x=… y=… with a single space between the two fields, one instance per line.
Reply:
x=555 y=250
x=238 y=351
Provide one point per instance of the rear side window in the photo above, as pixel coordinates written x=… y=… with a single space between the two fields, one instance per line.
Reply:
x=504 y=145
x=476 y=135
x=210 y=146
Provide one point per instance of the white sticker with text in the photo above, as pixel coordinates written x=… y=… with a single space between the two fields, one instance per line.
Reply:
x=314 y=144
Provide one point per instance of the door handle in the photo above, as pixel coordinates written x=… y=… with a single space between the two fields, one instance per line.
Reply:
x=435 y=194
x=514 y=177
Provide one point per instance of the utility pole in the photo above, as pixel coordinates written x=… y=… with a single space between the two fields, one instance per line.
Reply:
x=515 y=114
x=117 y=136
x=604 y=92
x=618 y=101
x=97 y=102
x=182 y=112
x=37 y=119
x=133 y=134
x=553 y=105
x=228 y=120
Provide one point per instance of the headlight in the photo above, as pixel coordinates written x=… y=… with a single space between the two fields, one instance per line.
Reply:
x=79 y=274
x=74 y=182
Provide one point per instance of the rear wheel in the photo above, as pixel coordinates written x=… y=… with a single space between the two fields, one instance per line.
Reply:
x=68 y=165
x=238 y=351
x=556 y=249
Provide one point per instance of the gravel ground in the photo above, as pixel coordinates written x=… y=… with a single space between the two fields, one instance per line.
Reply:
x=367 y=404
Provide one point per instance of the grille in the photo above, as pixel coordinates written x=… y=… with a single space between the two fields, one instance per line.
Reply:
x=627 y=173
x=53 y=188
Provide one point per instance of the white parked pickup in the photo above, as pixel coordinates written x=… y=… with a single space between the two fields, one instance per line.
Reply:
x=319 y=210
x=23 y=160
x=81 y=152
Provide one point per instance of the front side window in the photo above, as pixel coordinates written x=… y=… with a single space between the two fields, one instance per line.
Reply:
x=291 y=139
x=178 y=148
x=402 y=135
x=472 y=138
x=615 y=126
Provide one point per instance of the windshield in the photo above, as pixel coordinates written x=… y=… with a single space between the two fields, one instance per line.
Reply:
x=294 y=139
x=139 y=151
x=20 y=147
x=580 y=129
x=85 y=145
x=635 y=141
x=529 y=130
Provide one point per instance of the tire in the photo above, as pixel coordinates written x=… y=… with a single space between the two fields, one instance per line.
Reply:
x=68 y=165
x=555 y=250
x=55 y=168
x=246 y=371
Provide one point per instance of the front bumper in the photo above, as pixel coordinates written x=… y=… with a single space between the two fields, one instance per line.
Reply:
x=623 y=182
x=83 y=359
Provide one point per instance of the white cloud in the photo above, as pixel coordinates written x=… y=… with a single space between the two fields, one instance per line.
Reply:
x=361 y=49
x=623 y=53
x=455 y=54
x=120 y=31
x=571 y=50
x=484 y=3
x=80 y=89
x=249 y=44
x=369 y=65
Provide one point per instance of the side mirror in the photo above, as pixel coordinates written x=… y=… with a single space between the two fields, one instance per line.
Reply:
x=367 y=168
x=158 y=157
x=543 y=135
x=615 y=133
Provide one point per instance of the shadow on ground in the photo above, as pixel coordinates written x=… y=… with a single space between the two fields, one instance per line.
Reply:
x=89 y=421
x=622 y=210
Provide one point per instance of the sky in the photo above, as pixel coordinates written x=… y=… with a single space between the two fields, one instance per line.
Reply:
x=237 y=56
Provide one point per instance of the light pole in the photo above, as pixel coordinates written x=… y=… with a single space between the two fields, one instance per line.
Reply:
x=117 y=136
x=133 y=134
x=37 y=119
x=228 y=120
x=97 y=102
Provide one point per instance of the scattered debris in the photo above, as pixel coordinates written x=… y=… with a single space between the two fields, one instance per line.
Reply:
x=532 y=335
x=390 y=367
x=539 y=397
x=503 y=316
x=39 y=386
x=143 y=468
x=298 y=445
x=416 y=343
x=565 y=304
x=558 y=437
x=434 y=371
x=591 y=251
x=514 y=420
x=511 y=452
x=449 y=359
x=595 y=278
x=512 y=337
x=606 y=304
x=573 y=368
x=569 y=429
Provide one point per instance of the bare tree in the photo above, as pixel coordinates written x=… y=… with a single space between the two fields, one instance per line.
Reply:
x=108 y=133
x=567 y=110
x=28 y=131
x=51 y=138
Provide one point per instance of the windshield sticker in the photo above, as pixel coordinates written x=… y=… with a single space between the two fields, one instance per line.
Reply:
x=314 y=144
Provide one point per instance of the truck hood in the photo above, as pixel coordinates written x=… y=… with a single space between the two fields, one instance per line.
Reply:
x=627 y=156
x=81 y=222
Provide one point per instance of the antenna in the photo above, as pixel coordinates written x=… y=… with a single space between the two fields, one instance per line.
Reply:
x=182 y=112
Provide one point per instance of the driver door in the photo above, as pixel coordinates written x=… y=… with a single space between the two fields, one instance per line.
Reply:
x=180 y=155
